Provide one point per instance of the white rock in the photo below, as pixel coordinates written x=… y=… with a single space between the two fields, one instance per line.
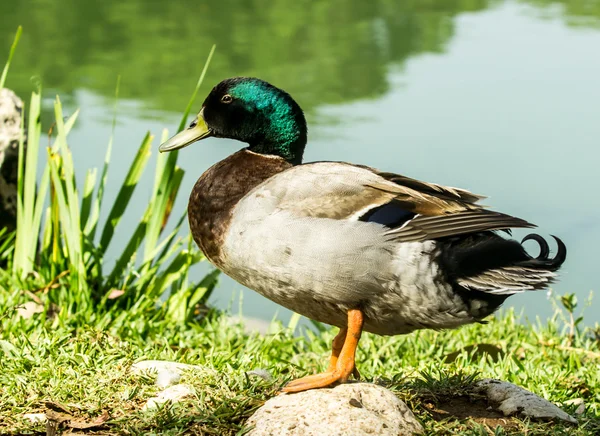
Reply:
x=576 y=402
x=36 y=418
x=512 y=400
x=174 y=394
x=27 y=310
x=162 y=365
x=262 y=373
x=11 y=112
x=166 y=378
x=349 y=409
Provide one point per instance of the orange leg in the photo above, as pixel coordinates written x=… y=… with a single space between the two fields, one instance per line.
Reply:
x=336 y=348
x=344 y=358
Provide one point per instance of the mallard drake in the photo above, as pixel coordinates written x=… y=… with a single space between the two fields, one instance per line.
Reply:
x=344 y=244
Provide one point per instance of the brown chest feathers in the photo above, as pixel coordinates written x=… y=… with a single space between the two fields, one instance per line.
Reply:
x=218 y=190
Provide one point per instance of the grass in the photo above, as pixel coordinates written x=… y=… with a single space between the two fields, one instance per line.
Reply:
x=84 y=372
x=57 y=260
x=90 y=319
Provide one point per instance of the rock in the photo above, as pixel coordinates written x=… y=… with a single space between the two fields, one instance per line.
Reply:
x=174 y=394
x=162 y=365
x=262 y=373
x=166 y=378
x=167 y=373
x=11 y=108
x=579 y=402
x=511 y=400
x=36 y=418
x=348 y=409
x=27 y=310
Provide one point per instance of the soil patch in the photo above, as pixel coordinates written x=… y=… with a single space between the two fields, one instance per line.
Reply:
x=465 y=408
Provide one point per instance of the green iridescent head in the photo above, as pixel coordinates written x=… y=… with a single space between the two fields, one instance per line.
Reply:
x=252 y=111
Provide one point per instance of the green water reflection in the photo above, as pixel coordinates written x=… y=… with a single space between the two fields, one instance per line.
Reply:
x=324 y=52
x=489 y=112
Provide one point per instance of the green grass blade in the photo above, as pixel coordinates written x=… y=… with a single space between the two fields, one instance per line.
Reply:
x=68 y=125
x=188 y=108
x=6 y=244
x=126 y=191
x=47 y=235
x=162 y=203
x=165 y=245
x=73 y=230
x=27 y=234
x=40 y=201
x=20 y=234
x=170 y=274
x=88 y=195
x=182 y=303
x=168 y=177
x=54 y=162
x=92 y=222
x=132 y=246
x=13 y=47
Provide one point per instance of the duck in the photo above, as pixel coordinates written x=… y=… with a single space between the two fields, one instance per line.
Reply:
x=345 y=244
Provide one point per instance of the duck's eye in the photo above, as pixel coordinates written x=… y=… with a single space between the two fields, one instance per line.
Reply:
x=226 y=98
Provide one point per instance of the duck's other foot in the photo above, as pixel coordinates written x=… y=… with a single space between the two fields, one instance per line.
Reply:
x=316 y=381
x=342 y=363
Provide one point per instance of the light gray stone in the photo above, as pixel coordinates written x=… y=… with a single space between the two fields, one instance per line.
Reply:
x=579 y=402
x=11 y=108
x=174 y=394
x=351 y=409
x=28 y=309
x=262 y=373
x=166 y=378
x=159 y=366
x=36 y=418
x=512 y=400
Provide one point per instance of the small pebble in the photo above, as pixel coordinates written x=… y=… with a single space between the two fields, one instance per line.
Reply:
x=512 y=400
x=262 y=373
x=174 y=394
x=166 y=378
x=577 y=402
x=36 y=417
x=161 y=365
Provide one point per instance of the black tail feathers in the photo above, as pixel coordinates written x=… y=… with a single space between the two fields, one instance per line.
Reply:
x=543 y=260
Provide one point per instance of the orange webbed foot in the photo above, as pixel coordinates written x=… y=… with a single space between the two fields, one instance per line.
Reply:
x=342 y=363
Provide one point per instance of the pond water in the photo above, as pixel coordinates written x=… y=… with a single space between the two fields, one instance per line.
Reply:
x=499 y=97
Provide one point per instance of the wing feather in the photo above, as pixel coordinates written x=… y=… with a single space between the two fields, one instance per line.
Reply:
x=423 y=227
x=344 y=191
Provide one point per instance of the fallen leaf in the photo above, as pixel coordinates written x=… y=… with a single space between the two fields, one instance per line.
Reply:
x=29 y=309
x=82 y=425
x=115 y=293
x=62 y=417
x=57 y=407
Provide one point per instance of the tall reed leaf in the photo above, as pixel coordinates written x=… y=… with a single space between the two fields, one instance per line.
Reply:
x=168 y=176
x=13 y=47
x=126 y=191
x=28 y=215
x=91 y=223
x=58 y=222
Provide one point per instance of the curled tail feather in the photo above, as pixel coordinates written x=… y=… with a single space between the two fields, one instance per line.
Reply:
x=493 y=265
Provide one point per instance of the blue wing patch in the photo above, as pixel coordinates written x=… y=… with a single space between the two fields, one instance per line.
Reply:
x=391 y=215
